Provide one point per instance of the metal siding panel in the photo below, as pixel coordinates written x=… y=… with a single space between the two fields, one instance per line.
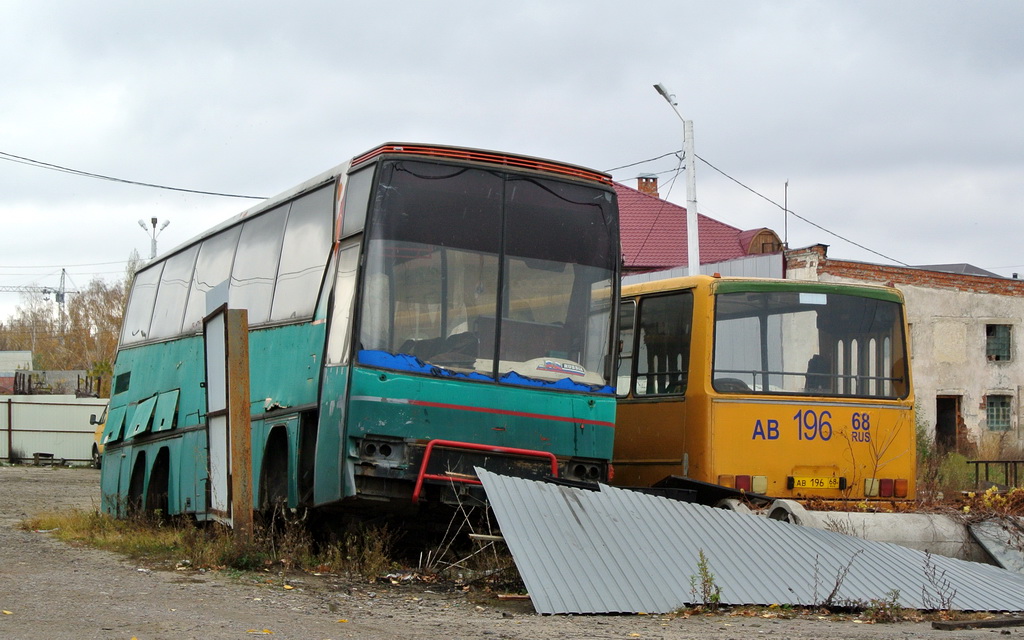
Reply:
x=115 y=421
x=140 y=418
x=619 y=551
x=163 y=416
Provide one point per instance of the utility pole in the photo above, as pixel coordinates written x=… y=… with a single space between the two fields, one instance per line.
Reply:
x=692 y=236
x=153 y=233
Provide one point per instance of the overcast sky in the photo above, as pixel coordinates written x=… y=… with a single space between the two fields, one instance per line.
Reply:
x=897 y=124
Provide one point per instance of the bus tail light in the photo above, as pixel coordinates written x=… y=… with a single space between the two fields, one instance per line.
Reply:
x=886 y=487
x=870 y=487
x=901 y=488
x=747 y=483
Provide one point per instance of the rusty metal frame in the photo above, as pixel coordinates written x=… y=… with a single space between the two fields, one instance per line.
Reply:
x=453 y=444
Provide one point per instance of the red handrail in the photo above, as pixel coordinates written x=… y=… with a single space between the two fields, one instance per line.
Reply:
x=473 y=447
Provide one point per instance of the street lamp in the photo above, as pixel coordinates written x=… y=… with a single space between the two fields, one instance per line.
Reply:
x=153 y=233
x=692 y=239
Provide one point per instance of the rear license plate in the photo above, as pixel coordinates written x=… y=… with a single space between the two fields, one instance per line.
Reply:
x=813 y=482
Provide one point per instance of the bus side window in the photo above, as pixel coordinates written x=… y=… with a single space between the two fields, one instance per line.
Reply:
x=664 y=344
x=627 y=312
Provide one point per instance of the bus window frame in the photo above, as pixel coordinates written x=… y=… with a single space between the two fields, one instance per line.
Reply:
x=728 y=385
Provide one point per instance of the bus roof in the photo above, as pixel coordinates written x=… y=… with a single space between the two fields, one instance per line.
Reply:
x=398 y=148
x=736 y=284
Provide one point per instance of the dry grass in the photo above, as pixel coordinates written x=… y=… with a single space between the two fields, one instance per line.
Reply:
x=361 y=553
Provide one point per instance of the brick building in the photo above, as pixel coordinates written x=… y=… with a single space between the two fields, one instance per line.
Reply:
x=965 y=327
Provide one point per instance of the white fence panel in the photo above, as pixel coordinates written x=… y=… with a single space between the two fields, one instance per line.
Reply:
x=55 y=425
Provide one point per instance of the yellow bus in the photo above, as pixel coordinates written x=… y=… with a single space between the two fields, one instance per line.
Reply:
x=782 y=388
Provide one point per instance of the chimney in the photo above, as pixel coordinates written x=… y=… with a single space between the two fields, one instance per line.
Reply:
x=648 y=183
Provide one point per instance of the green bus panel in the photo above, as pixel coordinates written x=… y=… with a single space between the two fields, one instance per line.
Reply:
x=327 y=485
x=167 y=378
x=426 y=408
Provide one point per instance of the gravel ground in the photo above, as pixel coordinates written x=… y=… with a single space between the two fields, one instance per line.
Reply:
x=52 y=590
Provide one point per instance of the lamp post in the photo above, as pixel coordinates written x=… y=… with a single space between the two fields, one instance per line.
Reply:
x=692 y=238
x=153 y=233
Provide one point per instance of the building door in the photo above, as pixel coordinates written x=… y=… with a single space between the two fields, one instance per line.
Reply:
x=947 y=421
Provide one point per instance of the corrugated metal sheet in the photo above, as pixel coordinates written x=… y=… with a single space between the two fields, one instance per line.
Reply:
x=619 y=551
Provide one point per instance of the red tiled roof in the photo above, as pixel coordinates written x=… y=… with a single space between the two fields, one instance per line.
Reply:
x=653 y=233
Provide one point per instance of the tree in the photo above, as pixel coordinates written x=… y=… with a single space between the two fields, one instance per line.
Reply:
x=85 y=339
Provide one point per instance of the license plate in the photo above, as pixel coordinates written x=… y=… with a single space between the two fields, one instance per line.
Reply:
x=813 y=482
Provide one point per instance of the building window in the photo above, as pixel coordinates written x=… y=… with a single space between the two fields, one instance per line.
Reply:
x=997 y=412
x=997 y=341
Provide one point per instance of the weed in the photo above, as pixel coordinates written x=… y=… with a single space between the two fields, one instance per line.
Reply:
x=940 y=596
x=702 y=586
x=830 y=600
x=362 y=550
x=885 y=609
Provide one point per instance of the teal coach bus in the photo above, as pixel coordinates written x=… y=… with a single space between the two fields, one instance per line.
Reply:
x=413 y=313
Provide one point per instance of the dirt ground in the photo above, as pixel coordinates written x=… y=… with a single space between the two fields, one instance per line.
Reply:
x=52 y=590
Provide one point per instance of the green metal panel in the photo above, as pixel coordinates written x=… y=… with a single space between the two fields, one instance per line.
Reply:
x=140 y=418
x=115 y=421
x=422 y=407
x=261 y=430
x=114 y=468
x=167 y=377
x=166 y=404
x=192 y=473
x=328 y=485
x=285 y=365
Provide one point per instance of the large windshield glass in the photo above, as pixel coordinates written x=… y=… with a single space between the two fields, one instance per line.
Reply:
x=478 y=273
x=809 y=342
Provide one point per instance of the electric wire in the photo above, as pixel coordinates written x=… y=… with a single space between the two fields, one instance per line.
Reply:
x=767 y=199
x=800 y=217
x=664 y=203
x=10 y=157
x=54 y=167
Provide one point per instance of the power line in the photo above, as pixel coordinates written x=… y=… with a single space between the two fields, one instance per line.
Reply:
x=766 y=198
x=661 y=208
x=10 y=157
x=796 y=215
x=633 y=164
x=57 y=266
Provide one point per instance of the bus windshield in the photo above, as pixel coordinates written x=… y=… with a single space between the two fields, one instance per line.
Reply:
x=489 y=275
x=809 y=342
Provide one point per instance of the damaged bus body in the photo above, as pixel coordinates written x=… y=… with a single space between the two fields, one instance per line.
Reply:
x=412 y=313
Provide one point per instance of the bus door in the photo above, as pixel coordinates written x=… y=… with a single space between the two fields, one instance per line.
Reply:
x=653 y=376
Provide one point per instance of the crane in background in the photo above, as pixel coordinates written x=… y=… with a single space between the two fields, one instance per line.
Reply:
x=59 y=294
